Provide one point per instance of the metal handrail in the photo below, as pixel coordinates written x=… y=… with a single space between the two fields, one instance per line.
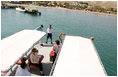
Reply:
x=53 y=67
x=99 y=58
x=24 y=54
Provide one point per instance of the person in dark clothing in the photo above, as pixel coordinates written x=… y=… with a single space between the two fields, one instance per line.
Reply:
x=49 y=33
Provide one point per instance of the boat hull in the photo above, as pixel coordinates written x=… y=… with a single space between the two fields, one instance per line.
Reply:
x=19 y=9
x=35 y=13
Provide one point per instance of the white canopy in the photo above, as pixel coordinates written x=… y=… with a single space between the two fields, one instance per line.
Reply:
x=78 y=57
x=16 y=45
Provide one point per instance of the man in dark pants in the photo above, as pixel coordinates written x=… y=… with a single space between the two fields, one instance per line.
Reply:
x=49 y=34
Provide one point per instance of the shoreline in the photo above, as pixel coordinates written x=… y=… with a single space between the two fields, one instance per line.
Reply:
x=63 y=9
x=80 y=11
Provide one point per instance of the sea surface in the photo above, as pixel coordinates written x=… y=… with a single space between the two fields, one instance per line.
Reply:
x=102 y=27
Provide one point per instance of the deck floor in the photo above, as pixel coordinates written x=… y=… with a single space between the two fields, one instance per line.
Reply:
x=47 y=64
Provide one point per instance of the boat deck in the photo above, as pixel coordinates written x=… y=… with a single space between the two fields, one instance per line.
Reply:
x=77 y=53
x=47 y=64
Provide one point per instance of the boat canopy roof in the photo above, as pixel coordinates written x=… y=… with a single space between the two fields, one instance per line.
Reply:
x=78 y=57
x=14 y=46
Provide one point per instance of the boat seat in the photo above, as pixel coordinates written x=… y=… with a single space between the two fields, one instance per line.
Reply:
x=19 y=62
x=34 y=66
x=4 y=74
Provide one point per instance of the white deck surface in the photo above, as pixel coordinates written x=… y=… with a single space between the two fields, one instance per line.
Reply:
x=78 y=57
x=16 y=45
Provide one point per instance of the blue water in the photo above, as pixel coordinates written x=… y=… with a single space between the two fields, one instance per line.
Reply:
x=102 y=27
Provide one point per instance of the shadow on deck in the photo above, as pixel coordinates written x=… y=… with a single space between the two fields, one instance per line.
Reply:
x=48 y=45
x=46 y=69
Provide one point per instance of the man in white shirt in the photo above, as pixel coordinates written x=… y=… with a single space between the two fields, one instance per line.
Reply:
x=49 y=33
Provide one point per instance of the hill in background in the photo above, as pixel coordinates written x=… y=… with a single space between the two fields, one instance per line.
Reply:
x=104 y=4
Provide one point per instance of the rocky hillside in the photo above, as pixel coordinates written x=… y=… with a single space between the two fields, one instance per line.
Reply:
x=104 y=4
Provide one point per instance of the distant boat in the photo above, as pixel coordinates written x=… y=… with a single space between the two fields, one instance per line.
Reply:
x=32 y=11
x=20 y=9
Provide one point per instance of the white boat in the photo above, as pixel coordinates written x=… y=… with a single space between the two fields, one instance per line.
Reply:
x=76 y=57
x=19 y=9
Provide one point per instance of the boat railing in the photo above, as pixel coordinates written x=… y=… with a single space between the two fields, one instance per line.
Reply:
x=13 y=67
x=53 y=67
x=99 y=58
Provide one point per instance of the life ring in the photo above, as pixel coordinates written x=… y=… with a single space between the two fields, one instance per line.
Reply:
x=61 y=35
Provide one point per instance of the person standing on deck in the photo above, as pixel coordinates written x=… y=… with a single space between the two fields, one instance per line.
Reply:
x=56 y=49
x=49 y=33
x=40 y=29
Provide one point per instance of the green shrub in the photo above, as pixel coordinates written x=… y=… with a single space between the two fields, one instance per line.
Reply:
x=34 y=10
x=55 y=3
x=83 y=3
